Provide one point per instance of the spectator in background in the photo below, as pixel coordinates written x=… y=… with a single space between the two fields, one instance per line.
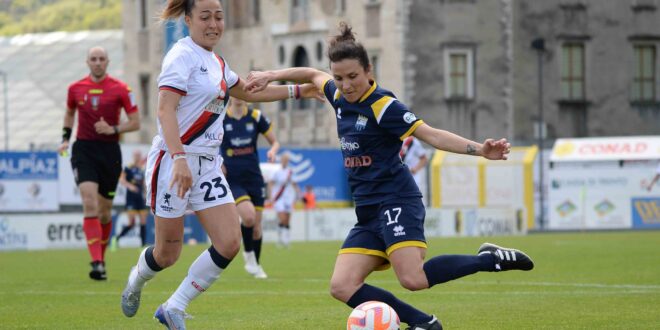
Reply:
x=96 y=156
x=241 y=162
x=414 y=156
x=133 y=179
x=655 y=178
x=309 y=198
x=284 y=192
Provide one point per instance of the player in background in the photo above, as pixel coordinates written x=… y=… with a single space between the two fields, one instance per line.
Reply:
x=132 y=178
x=96 y=155
x=414 y=156
x=371 y=124
x=309 y=198
x=184 y=166
x=283 y=192
x=242 y=127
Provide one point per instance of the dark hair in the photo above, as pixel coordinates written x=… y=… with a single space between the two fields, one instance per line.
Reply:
x=344 y=46
x=175 y=8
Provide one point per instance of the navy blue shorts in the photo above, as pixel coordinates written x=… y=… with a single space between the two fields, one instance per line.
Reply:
x=251 y=188
x=385 y=227
x=135 y=202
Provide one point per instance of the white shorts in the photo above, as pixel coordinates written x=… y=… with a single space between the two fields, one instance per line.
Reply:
x=209 y=186
x=284 y=205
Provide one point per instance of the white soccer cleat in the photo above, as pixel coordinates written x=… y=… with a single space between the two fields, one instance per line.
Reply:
x=130 y=299
x=260 y=273
x=173 y=319
x=251 y=265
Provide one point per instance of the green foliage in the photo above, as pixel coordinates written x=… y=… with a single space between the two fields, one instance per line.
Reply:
x=35 y=16
x=581 y=281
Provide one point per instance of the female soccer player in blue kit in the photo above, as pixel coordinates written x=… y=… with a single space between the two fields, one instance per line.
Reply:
x=372 y=124
x=241 y=161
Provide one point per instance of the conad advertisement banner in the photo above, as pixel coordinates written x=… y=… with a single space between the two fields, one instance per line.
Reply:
x=609 y=148
x=601 y=198
x=28 y=181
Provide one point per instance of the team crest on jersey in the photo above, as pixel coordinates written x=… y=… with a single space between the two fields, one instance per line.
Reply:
x=338 y=113
x=361 y=123
x=95 y=102
x=249 y=127
x=229 y=127
x=409 y=117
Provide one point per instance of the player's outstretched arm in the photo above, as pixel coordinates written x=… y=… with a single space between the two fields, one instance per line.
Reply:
x=275 y=92
x=447 y=141
x=259 y=80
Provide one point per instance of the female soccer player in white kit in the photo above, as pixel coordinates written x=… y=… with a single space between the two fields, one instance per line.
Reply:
x=183 y=166
x=284 y=192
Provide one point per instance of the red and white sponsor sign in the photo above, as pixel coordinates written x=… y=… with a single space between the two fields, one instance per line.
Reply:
x=610 y=148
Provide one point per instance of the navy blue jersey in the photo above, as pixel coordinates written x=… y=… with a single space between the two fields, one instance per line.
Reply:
x=135 y=175
x=239 y=144
x=370 y=135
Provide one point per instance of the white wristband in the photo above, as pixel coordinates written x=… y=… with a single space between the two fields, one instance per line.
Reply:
x=292 y=91
x=178 y=156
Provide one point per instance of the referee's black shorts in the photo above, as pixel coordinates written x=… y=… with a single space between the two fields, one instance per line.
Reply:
x=98 y=162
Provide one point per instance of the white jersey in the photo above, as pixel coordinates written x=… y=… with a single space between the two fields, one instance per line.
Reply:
x=283 y=194
x=411 y=152
x=203 y=79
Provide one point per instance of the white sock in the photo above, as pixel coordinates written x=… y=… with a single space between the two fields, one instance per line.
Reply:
x=286 y=236
x=141 y=273
x=201 y=274
x=280 y=235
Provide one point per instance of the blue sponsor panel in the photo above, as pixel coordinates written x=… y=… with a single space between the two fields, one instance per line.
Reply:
x=323 y=169
x=28 y=166
x=28 y=181
x=646 y=212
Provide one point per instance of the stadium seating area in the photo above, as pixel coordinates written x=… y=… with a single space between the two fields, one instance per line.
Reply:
x=39 y=69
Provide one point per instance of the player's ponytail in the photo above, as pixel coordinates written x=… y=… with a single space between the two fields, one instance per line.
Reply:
x=345 y=46
x=175 y=8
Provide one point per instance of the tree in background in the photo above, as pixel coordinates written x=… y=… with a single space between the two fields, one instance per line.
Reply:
x=35 y=16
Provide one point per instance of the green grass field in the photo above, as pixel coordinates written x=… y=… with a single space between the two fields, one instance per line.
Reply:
x=581 y=281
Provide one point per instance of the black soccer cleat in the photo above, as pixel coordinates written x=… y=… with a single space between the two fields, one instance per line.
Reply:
x=434 y=324
x=98 y=271
x=507 y=259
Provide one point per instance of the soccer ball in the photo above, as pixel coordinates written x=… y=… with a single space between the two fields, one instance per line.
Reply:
x=373 y=315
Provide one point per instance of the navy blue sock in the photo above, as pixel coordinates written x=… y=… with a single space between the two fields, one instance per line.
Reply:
x=143 y=234
x=407 y=313
x=247 y=238
x=257 y=248
x=442 y=269
x=123 y=232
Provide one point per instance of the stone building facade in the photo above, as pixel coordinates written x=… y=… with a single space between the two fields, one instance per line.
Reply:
x=462 y=65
